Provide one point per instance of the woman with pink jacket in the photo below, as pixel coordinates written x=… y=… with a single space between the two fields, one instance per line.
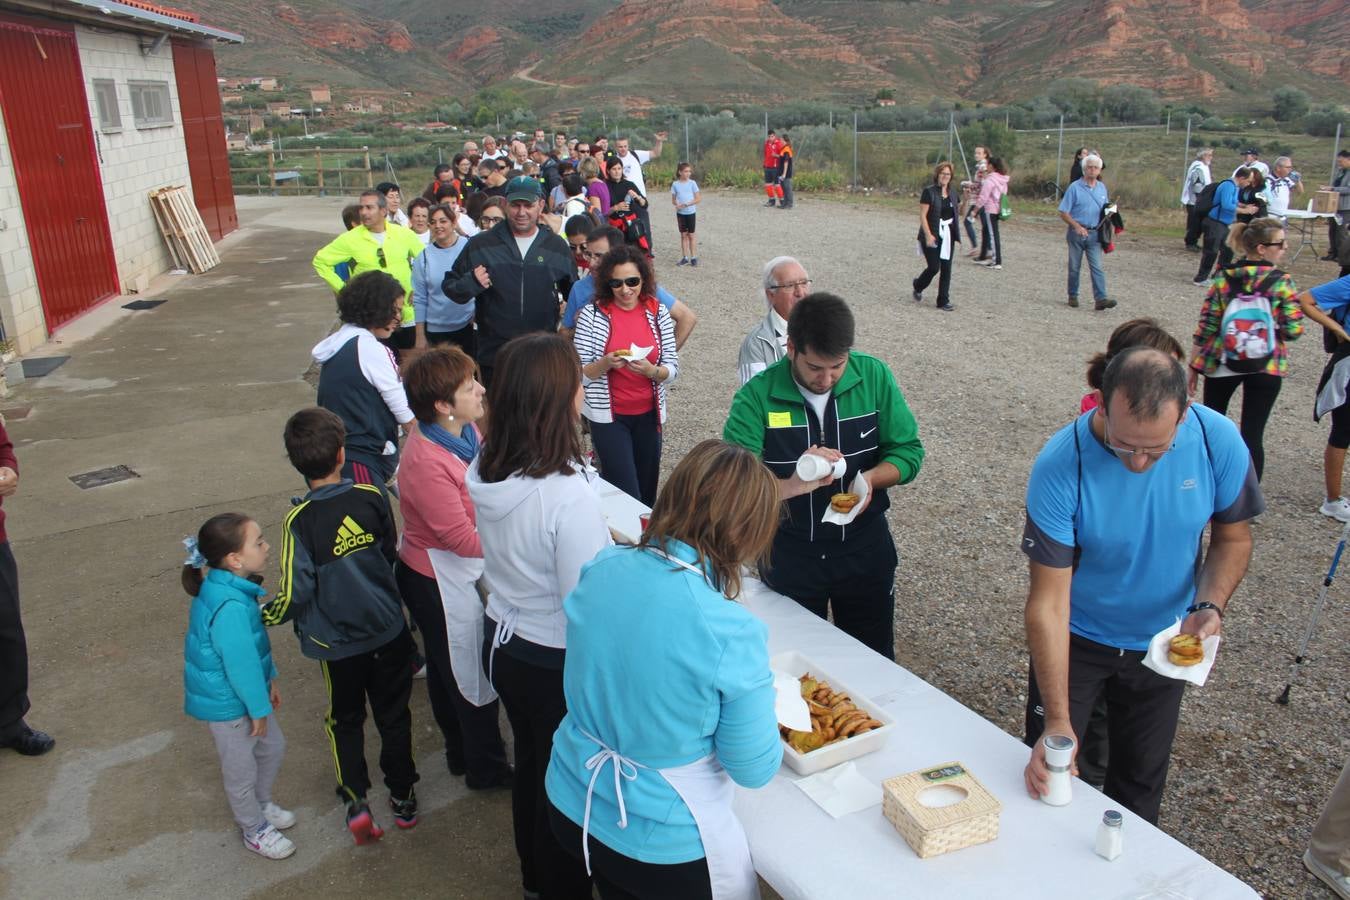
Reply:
x=992 y=188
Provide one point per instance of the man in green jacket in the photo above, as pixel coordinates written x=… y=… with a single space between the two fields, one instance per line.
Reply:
x=374 y=244
x=827 y=399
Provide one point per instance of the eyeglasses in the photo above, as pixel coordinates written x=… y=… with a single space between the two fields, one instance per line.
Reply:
x=379 y=254
x=791 y=285
x=591 y=255
x=630 y=281
x=489 y=221
x=1127 y=453
x=1284 y=243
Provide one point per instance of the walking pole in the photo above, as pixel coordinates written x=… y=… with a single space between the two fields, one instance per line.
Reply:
x=1059 y=156
x=1186 y=156
x=1283 y=699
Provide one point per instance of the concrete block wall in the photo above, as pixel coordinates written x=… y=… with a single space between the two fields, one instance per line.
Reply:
x=134 y=161
x=20 y=303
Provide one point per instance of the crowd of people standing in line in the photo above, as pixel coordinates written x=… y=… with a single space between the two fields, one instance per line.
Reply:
x=508 y=569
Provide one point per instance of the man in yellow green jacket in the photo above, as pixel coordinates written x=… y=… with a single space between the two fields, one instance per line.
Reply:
x=374 y=244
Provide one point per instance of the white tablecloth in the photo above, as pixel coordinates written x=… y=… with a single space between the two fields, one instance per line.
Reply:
x=1041 y=850
x=622 y=513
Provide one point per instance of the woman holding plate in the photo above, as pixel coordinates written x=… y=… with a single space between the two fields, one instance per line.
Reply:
x=626 y=341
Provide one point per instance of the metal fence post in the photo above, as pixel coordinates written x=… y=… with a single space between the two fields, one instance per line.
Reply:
x=318 y=167
x=1186 y=156
x=1335 y=150
x=687 y=158
x=1059 y=155
x=951 y=127
x=370 y=181
x=855 y=150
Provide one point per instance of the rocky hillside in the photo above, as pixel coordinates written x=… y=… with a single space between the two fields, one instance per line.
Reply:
x=644 y=51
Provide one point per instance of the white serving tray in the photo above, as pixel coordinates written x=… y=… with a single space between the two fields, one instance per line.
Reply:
x=795 y=664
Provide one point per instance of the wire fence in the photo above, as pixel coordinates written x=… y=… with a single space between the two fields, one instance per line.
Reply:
x=1144 y=163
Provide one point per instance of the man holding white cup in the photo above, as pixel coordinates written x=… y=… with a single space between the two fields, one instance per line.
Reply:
x=827 y=400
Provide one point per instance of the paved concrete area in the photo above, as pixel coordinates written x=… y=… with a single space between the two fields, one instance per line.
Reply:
x=191 y=395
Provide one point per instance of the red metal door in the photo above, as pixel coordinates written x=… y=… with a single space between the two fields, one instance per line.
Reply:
x=51 y=140
x=204 y=132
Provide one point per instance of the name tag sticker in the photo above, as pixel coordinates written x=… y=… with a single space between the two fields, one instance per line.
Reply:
x=780 y=420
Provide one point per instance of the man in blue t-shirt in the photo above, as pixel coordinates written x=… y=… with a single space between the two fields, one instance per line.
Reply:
x=1329 y=305
x=1219 y=219
x=583 y=290
x=1117 y=506
x=1081 y=209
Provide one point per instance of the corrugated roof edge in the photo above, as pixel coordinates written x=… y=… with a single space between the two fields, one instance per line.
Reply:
x=167 y=23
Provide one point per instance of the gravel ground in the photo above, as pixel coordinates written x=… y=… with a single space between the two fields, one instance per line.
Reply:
x=988 y=384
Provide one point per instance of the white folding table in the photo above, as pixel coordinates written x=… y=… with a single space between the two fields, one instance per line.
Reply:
x=1303 y=221
x=1041 y=851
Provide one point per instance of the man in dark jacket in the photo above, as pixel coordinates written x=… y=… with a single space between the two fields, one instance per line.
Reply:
x=518 y=272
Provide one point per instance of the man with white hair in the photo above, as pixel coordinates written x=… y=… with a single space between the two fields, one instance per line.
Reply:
x=1081 y=209
x=1283 y=183
x=1197 y=177
x=785 y=282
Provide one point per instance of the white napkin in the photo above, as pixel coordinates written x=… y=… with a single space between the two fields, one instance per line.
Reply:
x=841 y=790
x=638 y=352
x=862 y=489
x=1156 y=658
x=788 y=704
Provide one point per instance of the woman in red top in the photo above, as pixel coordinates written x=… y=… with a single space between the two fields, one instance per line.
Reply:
x=439 y=523
x=626 y=341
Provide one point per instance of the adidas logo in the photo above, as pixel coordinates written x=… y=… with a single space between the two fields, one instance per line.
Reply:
x=350 y=536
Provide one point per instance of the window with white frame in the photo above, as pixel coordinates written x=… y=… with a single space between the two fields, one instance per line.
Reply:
x=150 y=103
x=105 y=98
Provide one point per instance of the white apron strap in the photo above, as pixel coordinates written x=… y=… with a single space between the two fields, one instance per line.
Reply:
x=708 y=791
x=625 y=769
x=506 y=629
x=456 y=576
x=945 y=239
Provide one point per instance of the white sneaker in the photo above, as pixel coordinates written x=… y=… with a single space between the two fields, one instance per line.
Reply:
x=278 y=818
x=1333 y=879
x=269 y=843
x=1338 y=509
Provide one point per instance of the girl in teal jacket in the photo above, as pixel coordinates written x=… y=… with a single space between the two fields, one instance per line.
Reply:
x=229 y=680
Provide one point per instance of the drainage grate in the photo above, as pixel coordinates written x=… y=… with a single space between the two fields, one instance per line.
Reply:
x=99 y=477
x=42 y=365
x=142 y=304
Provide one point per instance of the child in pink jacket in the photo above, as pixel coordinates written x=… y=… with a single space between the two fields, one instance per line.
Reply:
x=992 y=188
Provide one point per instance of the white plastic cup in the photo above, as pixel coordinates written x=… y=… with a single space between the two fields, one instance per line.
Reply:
x=812 y=467
x=1058 y=758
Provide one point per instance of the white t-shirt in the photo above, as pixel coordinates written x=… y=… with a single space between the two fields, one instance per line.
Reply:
x=378 y=236
x=425 y=237
x=399 y=218
x=817 y=402
x=496 y=154
x=632 y=167
x=524 y=242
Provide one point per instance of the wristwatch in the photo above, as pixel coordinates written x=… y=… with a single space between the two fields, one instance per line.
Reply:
x=1205 y=605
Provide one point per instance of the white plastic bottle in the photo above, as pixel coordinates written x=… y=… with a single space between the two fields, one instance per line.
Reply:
x=1110 y=837
x=1058 y=757
x=811 y=467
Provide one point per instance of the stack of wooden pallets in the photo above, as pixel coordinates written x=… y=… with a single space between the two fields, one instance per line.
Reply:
x=184 y=232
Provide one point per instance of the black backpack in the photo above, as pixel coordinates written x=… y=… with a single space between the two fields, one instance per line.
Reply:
x=1204 y=201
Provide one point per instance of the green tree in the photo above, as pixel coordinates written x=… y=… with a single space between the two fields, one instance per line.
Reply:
x=1290 y=104
x=993 y=134
x=1322 y=120
x=1130 y=103
x=1077 y=98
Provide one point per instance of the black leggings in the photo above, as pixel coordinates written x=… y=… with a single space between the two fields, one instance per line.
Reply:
x=942 y=268
x=619 y=877
x=989 y=237
x=630 y=453
x=1258 y=399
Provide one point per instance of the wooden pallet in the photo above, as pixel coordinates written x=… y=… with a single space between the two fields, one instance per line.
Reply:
x=183 y=230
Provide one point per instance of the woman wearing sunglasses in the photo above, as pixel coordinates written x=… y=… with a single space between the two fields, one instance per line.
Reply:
x=1241 y=341
x=626 y=341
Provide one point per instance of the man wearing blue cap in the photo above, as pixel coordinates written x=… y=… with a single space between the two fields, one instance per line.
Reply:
x=518 y=272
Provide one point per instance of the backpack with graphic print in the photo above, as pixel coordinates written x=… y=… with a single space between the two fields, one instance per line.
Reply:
x=1248 y=325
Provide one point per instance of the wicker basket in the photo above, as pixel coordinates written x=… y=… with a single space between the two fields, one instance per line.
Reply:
x=932 y=831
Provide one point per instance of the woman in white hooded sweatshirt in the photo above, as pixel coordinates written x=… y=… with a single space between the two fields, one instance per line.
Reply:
x=540 y=522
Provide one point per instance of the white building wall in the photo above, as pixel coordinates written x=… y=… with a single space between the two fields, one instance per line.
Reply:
x=20 y=303
x=134 y=161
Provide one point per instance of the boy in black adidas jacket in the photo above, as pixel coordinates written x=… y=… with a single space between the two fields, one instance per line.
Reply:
x=338 y=589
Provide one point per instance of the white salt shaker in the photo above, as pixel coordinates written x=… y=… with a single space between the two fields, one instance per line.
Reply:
x=811 y=467
x=1058 y=758
x=1110 y=838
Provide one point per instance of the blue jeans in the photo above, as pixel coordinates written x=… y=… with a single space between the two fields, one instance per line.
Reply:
x=1093 y=248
